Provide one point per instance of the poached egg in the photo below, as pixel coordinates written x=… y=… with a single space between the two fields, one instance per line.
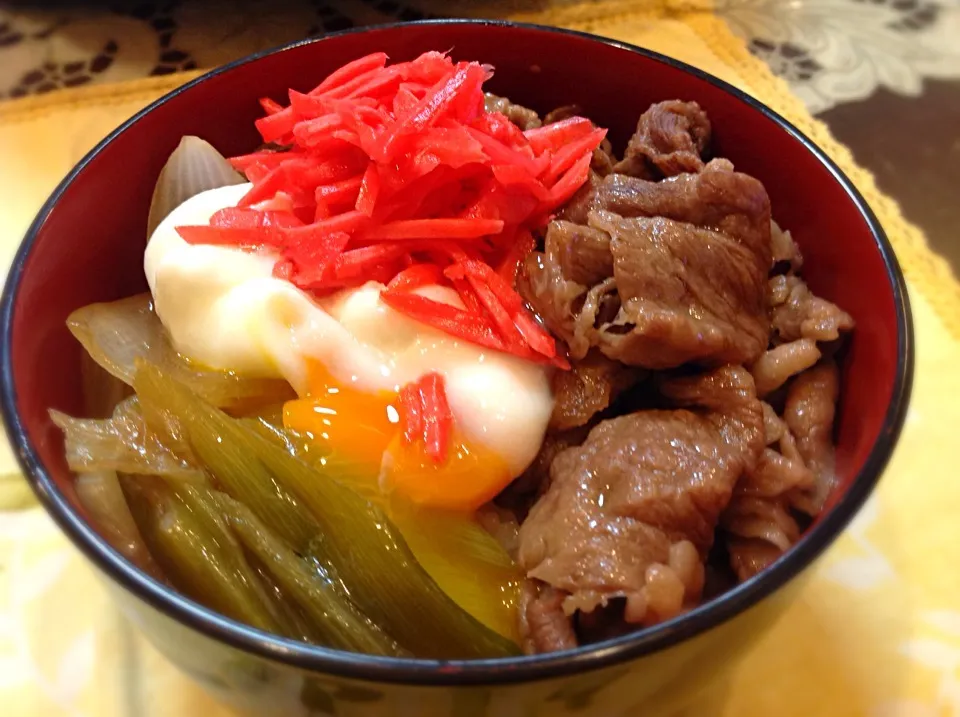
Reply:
x=347 y=355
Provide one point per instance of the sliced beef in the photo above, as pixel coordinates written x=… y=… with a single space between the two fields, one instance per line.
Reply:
x=661 y=274
x=603 y=623
x=639 y=486
x=795 y=313
x=795 y=473
x=521 y=116
x=749 y=556
x=777 y=365
x=603 y=160
x=671 y=139
x=584 y=252
x=786 y=253
x=560 y=302
x=780 y=470
x=773 y=477
x=561 y=113
x=778 y=434
x=685 y=294
x=520 y=495
x=544 y=627
x=762 y=519
x=719 y=198
x=584 y=201
x=590 y=386
x=809 y=414
x=668 y=590
x=773 y=425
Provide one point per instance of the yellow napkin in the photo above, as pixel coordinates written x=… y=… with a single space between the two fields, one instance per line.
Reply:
x=876 y=632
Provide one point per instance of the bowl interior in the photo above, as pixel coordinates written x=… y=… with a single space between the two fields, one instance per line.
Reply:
x=89 y=246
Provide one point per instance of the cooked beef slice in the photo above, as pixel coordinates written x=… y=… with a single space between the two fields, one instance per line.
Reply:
x=590 y=386
x=544 y=627
x=671 y=138
x=625 y=509
x=521 y=116
x=661 y=274
x=795 y=313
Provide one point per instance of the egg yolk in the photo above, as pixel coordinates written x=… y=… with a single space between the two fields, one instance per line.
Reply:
x=353 y=425
x=363 y=429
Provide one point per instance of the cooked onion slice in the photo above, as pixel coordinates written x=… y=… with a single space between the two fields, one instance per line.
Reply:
x=122 y=443
x=194 y=167
x=100 y=495
x=117 y=333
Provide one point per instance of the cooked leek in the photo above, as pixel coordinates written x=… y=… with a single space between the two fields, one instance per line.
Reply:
x=358 y=541
x=339 y=623
x=202 y=503
x=300 y=626
x=219 y=444
x=378 y=567
x=466 y=561
x=192 y=557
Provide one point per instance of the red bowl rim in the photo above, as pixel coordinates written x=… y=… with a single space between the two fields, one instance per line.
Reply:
x=464 y=672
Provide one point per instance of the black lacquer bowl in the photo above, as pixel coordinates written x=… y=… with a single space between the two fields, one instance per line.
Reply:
x=85 y=246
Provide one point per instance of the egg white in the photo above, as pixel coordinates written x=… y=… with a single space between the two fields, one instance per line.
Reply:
x=224 y=308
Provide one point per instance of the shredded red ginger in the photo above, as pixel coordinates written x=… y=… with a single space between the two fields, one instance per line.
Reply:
x=425 y=415
x=397 y=174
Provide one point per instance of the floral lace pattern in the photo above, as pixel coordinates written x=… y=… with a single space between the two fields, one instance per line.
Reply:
x=830 y=51
x=41 y=51
x=835 y=51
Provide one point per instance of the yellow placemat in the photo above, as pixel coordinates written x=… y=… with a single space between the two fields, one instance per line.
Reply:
x=875 y=633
